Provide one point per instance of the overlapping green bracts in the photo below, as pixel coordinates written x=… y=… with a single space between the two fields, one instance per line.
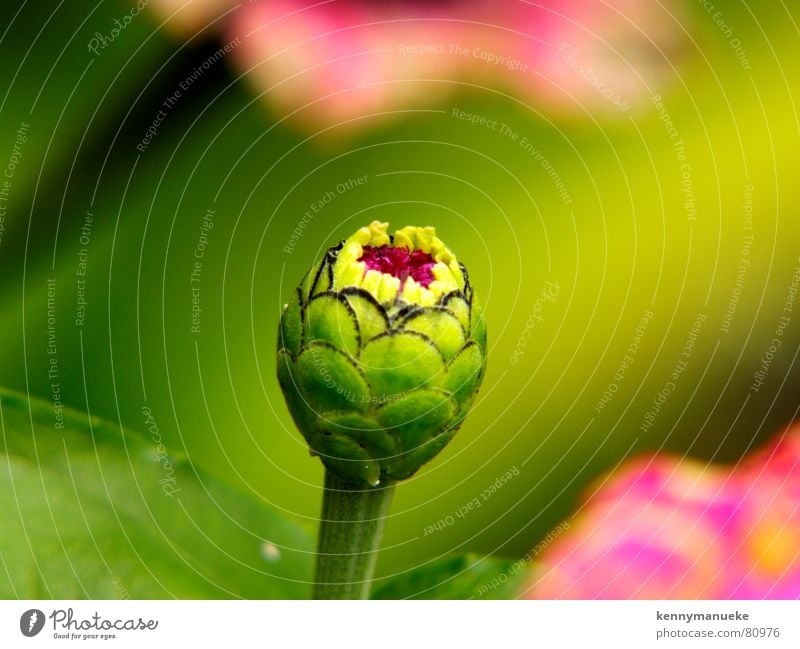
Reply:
x=378 y=369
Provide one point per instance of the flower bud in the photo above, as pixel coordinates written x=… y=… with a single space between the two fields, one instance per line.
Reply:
x=380 y=353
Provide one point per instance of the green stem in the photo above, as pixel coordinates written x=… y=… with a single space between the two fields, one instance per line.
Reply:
x=350 y=532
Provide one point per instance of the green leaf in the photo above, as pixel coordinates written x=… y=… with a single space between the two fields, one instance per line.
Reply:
x=468 y=576
x=88 y=510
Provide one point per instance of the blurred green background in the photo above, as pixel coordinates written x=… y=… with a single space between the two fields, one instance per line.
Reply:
x=626 y=245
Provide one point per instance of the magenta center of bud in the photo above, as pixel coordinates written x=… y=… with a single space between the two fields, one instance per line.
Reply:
x=401 y=263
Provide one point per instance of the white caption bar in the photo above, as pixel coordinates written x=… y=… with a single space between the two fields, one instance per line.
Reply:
x=390 y=625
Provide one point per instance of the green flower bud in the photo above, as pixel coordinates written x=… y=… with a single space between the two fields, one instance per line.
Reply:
x=380 y=353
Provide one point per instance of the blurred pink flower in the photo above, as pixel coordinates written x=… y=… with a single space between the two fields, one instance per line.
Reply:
x=187 y=17
x=678 y=529
x=325 y=62
x=770 y=526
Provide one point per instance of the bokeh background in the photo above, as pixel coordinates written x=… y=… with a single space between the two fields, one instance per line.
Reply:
x=664 y=232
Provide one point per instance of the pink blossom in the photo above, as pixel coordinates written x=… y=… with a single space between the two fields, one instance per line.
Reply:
x=188 y=17
x=344 y=62
x=664 y=527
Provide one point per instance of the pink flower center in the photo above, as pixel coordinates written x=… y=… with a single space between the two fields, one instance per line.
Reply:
x=400 y=263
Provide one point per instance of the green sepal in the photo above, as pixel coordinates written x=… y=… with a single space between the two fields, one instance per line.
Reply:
x=371 y=316
x=440 y=325
x=367 y=432
x=331 y=380
x=330 y=318
x=464 y=373
x=416 y=418
x=299 y=409
x=478 y=324
x=456 y=303
x=409 y=463
x=397 y=363
x=290 y=335
x=347 y=459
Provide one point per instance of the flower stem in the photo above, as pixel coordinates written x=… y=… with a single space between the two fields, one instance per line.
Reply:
x=350 y=532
